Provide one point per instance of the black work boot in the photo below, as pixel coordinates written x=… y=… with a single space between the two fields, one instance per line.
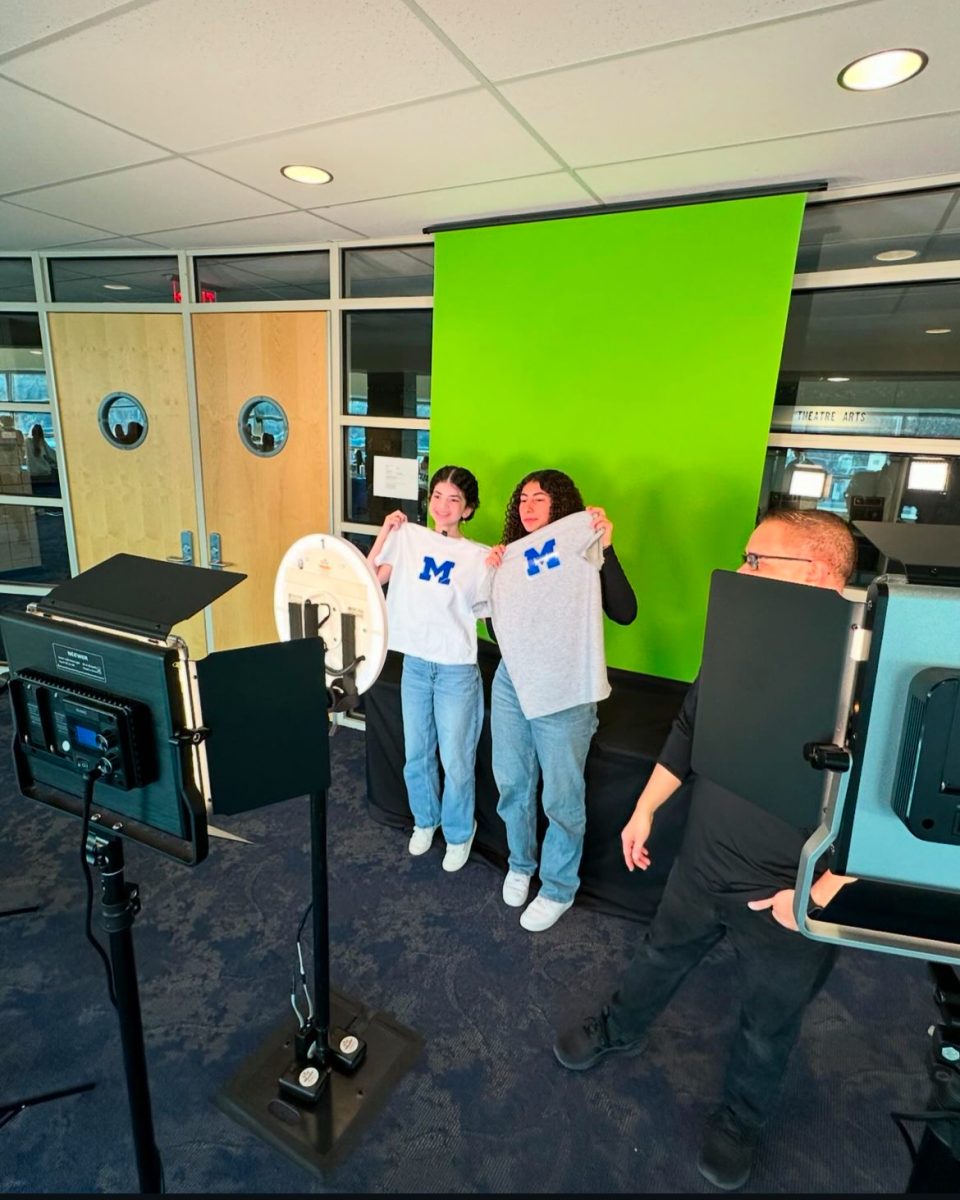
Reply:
x=728 y=1150
x=582 y=1046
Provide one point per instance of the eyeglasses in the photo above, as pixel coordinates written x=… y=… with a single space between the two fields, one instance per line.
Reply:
x=753 y=560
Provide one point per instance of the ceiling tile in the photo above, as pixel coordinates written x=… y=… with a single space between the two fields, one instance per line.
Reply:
x=189 y=75
x=409 y=214
x=905 y=150
x=759 y=83
x=468 y=138
x=504 y=38
x=160 y=196
x=45 y=142
x=25 y=23
x=23 y=229
x=281 y=229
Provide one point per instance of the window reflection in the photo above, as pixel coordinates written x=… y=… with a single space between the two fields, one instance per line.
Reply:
x=33 y=544
x=263 y=426
x=367 y=482
x=28 y=455
x=123 y=420
x=388 y=358
x=398 y=271
x=866 y=485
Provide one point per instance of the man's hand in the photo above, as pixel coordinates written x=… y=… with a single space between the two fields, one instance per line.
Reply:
x=781 y=907
x=634 y=837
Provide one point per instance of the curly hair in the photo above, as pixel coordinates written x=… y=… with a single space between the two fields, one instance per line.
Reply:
x=564 y=496
x=463 y=479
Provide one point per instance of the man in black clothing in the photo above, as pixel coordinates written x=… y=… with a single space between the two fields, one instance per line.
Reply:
x=734 y=877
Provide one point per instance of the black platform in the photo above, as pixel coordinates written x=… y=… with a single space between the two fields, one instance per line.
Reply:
x=320 y=1137
x=634 y=721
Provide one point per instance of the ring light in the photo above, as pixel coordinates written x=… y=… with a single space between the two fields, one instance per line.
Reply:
x=326 y=588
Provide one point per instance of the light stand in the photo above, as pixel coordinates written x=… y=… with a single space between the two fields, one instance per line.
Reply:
x=312 y=1087
x=100 y=692
x=119 y=906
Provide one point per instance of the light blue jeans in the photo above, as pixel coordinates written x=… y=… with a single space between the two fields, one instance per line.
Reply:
x=557 y=746
x=442 y=709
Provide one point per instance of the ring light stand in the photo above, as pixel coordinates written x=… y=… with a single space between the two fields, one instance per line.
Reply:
x=310 y=1090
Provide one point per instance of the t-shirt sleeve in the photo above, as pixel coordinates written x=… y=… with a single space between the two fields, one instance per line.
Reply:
x=481 y=596
x=390 y=550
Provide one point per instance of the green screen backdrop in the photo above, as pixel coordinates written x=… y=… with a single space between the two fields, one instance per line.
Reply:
x=638 y=352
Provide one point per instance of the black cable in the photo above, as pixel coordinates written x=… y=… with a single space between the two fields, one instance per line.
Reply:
x=89 y=779
x=348 y=668
x=933 y=1115
x=303 y=974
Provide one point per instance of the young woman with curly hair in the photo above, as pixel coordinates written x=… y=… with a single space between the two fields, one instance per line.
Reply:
x=546 y=600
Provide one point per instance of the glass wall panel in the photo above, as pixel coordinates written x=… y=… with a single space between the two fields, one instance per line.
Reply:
x=399 y=271
x=33 y=544
x=879 y=360
x=381 y=468
x=263 y=277
x=115 y=280
x=362 y=541
x=28 y=455
x=388 y=357
x=864 y=485
x=912 y=227
x=16 y=281
x=23 y=377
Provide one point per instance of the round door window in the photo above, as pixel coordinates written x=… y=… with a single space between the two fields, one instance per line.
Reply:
x=123 y=420
x=263 y=426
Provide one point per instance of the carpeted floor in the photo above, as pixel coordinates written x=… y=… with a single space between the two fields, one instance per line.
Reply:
x=486 y=1108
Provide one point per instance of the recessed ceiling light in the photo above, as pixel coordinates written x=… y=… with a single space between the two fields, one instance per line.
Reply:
x=881 y=70
x=117 y=287
x=304 y=174
x=943 y=330
x=895 y=255
x=838 y=379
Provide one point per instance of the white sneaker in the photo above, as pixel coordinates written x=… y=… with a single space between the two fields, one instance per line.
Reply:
x=541 y=913
x=515 y=889
x=422 y=839
x=458 y=852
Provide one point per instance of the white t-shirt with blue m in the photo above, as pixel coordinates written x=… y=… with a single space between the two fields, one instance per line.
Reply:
x=435 y=582
x=547 y=611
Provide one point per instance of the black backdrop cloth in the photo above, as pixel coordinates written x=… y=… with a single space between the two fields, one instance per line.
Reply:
x=633 y=723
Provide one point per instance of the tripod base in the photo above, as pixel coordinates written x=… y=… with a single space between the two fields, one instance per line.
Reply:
x=320 y=1135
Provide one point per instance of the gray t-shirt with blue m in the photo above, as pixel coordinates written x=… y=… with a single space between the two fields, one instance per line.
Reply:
x=547 y=612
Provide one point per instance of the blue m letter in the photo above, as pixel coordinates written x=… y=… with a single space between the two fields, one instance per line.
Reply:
x=535 y=557
x=430 y=568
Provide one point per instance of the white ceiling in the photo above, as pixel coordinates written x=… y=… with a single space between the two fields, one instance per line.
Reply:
x=166 y=122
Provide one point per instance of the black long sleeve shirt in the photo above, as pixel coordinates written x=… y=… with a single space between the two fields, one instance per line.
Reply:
x=730 y=845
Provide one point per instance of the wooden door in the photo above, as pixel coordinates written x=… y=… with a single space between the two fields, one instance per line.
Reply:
x=133 y=500
x=261 y=505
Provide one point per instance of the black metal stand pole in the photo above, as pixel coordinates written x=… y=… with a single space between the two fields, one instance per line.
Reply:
x=321 y=926
x=120 y=903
